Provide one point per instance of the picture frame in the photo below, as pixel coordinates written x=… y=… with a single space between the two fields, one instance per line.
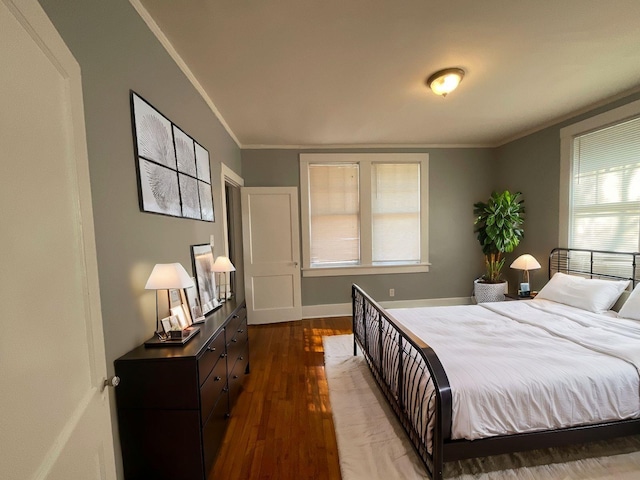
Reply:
x=166 y=325
x=174 y=174
x=202 y=263
x=187 y=313
x=174 y=323
x=178 y=312
x=193 y=302
x=174 y=297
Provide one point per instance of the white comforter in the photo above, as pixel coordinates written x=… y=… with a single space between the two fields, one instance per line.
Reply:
x=523 y=366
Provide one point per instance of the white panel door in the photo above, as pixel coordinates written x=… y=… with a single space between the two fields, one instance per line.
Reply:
x=55 y=422
x=271 y=241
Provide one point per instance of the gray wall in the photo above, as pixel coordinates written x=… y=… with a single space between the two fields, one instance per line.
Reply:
x=117 y=52
x=532 y=165
x=458 y=177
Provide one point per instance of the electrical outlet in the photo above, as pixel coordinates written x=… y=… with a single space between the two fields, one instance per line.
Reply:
x=392 y=292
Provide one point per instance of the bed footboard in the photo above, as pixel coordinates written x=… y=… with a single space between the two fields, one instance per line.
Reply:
x=410 y=376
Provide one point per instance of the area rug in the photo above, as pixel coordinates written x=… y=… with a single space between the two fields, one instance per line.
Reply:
x=373 y=446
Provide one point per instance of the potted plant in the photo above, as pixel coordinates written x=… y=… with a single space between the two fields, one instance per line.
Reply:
x=498 y=224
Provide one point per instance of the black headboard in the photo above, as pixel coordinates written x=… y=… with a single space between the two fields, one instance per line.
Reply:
x=595 y=264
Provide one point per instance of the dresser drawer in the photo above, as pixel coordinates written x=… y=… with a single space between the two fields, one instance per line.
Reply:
x=145 y=433
x=240 y=334
x=214 y=385
x=234 y=323
x=213 y=431
x=158 y=383
x=236 y=343
x=236 y=376
x=213 y=352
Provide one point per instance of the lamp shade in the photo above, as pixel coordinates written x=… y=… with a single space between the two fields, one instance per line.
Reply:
x=223 y=264
x=525 y=262
x=168 y=275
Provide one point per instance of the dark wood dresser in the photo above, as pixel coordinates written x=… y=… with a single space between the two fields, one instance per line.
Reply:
x=173 y=402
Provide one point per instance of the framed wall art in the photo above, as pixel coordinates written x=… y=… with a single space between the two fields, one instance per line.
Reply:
x=174 y=176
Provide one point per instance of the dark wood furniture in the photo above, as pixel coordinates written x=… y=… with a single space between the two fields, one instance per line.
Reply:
x=514 y=296
x=412 y=378
x=173 y=402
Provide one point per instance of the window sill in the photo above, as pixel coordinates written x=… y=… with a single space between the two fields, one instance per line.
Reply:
x=364 y=270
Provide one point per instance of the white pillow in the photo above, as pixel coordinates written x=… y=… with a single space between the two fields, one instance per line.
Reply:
x=631 y=308
x=590 y=294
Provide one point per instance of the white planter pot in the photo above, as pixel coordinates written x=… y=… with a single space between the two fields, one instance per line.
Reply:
x=489 y=292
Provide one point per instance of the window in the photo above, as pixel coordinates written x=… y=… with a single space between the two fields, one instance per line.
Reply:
x=395 y=208
x=601 y=184
x=334 y=205
x=364 y=213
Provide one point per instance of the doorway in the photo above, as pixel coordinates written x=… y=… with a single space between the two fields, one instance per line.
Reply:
x=232 y=230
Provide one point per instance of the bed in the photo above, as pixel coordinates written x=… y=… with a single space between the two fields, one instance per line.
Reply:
x=560 y=369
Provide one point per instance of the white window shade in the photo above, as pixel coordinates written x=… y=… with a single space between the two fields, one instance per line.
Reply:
x=395 y=212
x=334 y=209
x=364 y=213
x=605 y=189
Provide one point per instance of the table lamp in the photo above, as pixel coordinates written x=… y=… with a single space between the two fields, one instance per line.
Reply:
x=222 y=265
x=166 y=276
x=525 y=263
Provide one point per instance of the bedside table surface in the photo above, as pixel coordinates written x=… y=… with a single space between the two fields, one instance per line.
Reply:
x=515 y=296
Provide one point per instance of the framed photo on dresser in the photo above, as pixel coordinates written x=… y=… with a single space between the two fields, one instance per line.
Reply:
x=202 y=263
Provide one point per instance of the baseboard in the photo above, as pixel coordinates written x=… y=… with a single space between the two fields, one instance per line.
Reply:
x=344 y=309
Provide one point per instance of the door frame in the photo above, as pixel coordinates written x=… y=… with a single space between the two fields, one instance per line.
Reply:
x=227 y=176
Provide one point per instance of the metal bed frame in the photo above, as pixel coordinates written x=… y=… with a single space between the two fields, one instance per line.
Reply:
x=416 y=386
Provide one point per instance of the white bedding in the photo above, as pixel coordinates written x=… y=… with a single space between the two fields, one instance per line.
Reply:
x=531 y=365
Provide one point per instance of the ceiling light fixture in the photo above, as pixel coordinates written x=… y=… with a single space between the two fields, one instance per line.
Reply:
x=445 y=81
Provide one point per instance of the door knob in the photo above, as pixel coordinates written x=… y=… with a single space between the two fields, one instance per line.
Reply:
x=111 y=382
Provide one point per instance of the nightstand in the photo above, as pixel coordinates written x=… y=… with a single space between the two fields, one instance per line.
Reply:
x=508 y=297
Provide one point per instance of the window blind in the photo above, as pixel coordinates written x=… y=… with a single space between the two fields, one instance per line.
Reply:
x=395 y=210
x=334 y=212
x=605 y=189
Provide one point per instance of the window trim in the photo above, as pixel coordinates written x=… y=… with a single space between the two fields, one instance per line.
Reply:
x=365 y=160
x=567 y=135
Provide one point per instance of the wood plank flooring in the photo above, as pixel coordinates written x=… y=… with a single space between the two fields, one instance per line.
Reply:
x=281 y=426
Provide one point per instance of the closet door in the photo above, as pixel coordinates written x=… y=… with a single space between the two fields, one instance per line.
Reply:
x=271 y=234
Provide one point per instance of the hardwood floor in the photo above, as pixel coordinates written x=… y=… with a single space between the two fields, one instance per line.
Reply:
x=281 y=426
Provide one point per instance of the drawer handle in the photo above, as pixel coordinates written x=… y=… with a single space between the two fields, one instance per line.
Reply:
x=240 y=331
x=211 y=349
x=241 y=357
x=222 y=355
x=225 y=389
x=234 y=340
x=234 y=316
x=217 y=379
x=235 y=376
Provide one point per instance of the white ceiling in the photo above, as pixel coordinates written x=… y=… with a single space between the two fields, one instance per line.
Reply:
x=286 y=73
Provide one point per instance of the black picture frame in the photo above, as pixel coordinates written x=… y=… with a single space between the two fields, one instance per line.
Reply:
x=202 y=264
x=173 y=170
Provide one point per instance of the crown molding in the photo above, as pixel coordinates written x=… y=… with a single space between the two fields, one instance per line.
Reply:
x=569 y=116
x=367 y=146
x=164 y=41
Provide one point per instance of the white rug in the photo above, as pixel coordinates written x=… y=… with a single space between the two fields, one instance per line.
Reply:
x=373 y=446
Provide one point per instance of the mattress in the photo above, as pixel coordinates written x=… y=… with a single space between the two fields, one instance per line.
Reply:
x=525 y=366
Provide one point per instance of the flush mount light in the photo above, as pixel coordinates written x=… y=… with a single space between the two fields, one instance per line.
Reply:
x=445 y=81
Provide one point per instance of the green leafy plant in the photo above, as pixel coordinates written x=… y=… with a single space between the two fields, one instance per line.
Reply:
x=498 y=224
